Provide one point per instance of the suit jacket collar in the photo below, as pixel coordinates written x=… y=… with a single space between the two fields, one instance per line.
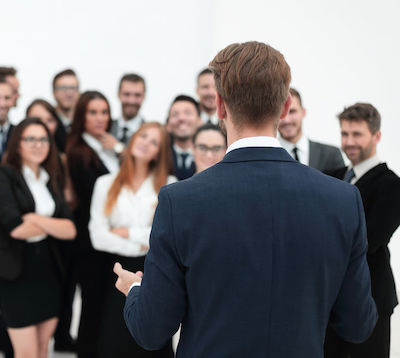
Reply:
x=249 y=154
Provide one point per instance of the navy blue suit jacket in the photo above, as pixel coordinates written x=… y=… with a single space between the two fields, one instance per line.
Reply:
x=254 y=256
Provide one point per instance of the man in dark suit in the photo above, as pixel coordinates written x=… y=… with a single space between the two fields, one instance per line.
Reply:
x=6 y=102
x=183 y=121
x=257 y=253
x=380 y=193
x=320 y=156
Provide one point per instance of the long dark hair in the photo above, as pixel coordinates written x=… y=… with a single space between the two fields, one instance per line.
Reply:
x=14 y=159
x=60 y=133
x=78 y=152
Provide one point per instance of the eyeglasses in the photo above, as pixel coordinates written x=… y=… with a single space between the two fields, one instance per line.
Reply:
x=66 y=88
x=31 y=141
x=203 y=149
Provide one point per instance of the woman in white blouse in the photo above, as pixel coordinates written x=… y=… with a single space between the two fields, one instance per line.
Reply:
x=33 y=212
x=122 y=210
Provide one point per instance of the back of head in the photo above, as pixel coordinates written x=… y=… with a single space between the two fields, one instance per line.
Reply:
x=253 y=79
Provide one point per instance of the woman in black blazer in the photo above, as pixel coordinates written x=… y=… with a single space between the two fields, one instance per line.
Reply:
x=32 y=213
x=87 y=160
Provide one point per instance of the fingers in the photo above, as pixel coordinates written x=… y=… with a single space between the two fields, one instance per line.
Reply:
x=118 y=269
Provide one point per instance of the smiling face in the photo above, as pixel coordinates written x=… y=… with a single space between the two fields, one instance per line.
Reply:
x=66 y=92
x=146 y=145
x=358 y=142
x=183 y=120
x=131 y=95
x=6 y=101
x=41 y=112
x=207 y=93
x=34 y=146
x=209 y=149
x=290 y=126
x=97 y=117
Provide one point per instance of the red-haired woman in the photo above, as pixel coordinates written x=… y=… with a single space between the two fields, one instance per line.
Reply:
x=33 y=212
x=87 y=160
x=122 y=212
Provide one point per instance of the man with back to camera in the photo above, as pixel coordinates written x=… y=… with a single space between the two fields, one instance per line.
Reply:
x=380 y=193
x=257 y=253
x=207 y=97
x=320 y=156
x=183 y=121
x=66 y=94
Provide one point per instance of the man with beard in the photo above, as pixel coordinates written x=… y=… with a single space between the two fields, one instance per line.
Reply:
x=6 y=102
x=131 y=93
x=207 y=97
x=380 y=193
x=316 y=155
x=183 y=121
x=66 y=94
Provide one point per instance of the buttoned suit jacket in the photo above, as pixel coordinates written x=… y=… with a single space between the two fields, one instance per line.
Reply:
x=254 y=256
x=380 y=193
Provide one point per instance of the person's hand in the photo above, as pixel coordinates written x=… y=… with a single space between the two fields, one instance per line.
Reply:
x=121 y=231
x=126 y=278
x=108 y=141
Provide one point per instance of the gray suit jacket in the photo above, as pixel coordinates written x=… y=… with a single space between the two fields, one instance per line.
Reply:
x=325 y=157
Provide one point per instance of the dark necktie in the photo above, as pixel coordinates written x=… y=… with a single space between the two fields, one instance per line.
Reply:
x=349 y=175
x=296 y=156
x=124 y=137
x=183 y=158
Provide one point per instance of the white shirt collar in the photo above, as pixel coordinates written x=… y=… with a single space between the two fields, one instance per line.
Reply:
x=302 y=145
x=179 y=150
x=30 y=176
x=205 y=117
x=94 y=143
x=361 y=168
x=6 y=126
x=259 y=141
x=132 y=124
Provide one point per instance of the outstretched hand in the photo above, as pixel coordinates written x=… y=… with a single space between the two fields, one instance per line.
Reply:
x=126 y=278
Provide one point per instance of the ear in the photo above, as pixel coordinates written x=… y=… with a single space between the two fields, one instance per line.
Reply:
x=221 y=109
x=286 y=107
x=377 y=137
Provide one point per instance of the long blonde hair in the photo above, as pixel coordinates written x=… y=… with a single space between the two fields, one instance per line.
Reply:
x=160 y=167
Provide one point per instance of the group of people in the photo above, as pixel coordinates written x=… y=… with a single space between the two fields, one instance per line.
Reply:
x=79 y=191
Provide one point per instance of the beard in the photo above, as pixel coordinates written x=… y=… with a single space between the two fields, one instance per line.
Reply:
x=363 y=153
x=130 y=111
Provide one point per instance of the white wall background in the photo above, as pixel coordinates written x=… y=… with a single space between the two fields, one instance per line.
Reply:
x=340 y=52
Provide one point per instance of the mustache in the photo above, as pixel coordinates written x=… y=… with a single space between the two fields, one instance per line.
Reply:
x=349 y=147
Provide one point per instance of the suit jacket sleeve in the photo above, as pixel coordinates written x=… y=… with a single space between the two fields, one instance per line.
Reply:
x=383 y=214
x=354 y=314
x=10 y=215
x=154 y=311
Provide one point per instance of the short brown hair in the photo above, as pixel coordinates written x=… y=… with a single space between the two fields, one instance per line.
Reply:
x=132 y=77
x=7 y=71
x=362 y=112
x=253 y=79
x=295 y=93
x=67 y=72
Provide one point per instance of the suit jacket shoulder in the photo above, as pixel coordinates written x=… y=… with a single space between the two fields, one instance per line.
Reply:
x=325 y=157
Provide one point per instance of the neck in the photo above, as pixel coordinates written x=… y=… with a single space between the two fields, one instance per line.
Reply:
x=126 y=119
x=3 y=121
x=209 y=111
x=34 y=167
x=295 y=139
x=141 y=170
x=65 y=112
x=234 y=134
x=183 y=143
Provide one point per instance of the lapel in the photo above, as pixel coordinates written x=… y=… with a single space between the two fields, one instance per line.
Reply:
x=250 y=154
x=28 y=203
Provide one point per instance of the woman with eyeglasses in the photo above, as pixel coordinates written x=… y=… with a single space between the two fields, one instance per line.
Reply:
x=209 y=146
x=122 y=211
x=32 y=214
x=87 y=160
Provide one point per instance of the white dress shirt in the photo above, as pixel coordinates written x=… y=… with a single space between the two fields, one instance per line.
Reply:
x=44 y=202
x=362 y=168
x=134 y=210
x=303 y=148
x=132 y=126
x=205 y=117
x=107 y=156
x=260 y=141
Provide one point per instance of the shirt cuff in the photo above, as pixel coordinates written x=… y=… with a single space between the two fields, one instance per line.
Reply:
x=134 y=285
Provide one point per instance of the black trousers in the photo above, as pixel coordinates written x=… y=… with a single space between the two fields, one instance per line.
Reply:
x=376 y=346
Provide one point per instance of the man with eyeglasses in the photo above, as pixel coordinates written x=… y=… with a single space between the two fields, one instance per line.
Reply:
x=66 y=94
x=209 y=146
